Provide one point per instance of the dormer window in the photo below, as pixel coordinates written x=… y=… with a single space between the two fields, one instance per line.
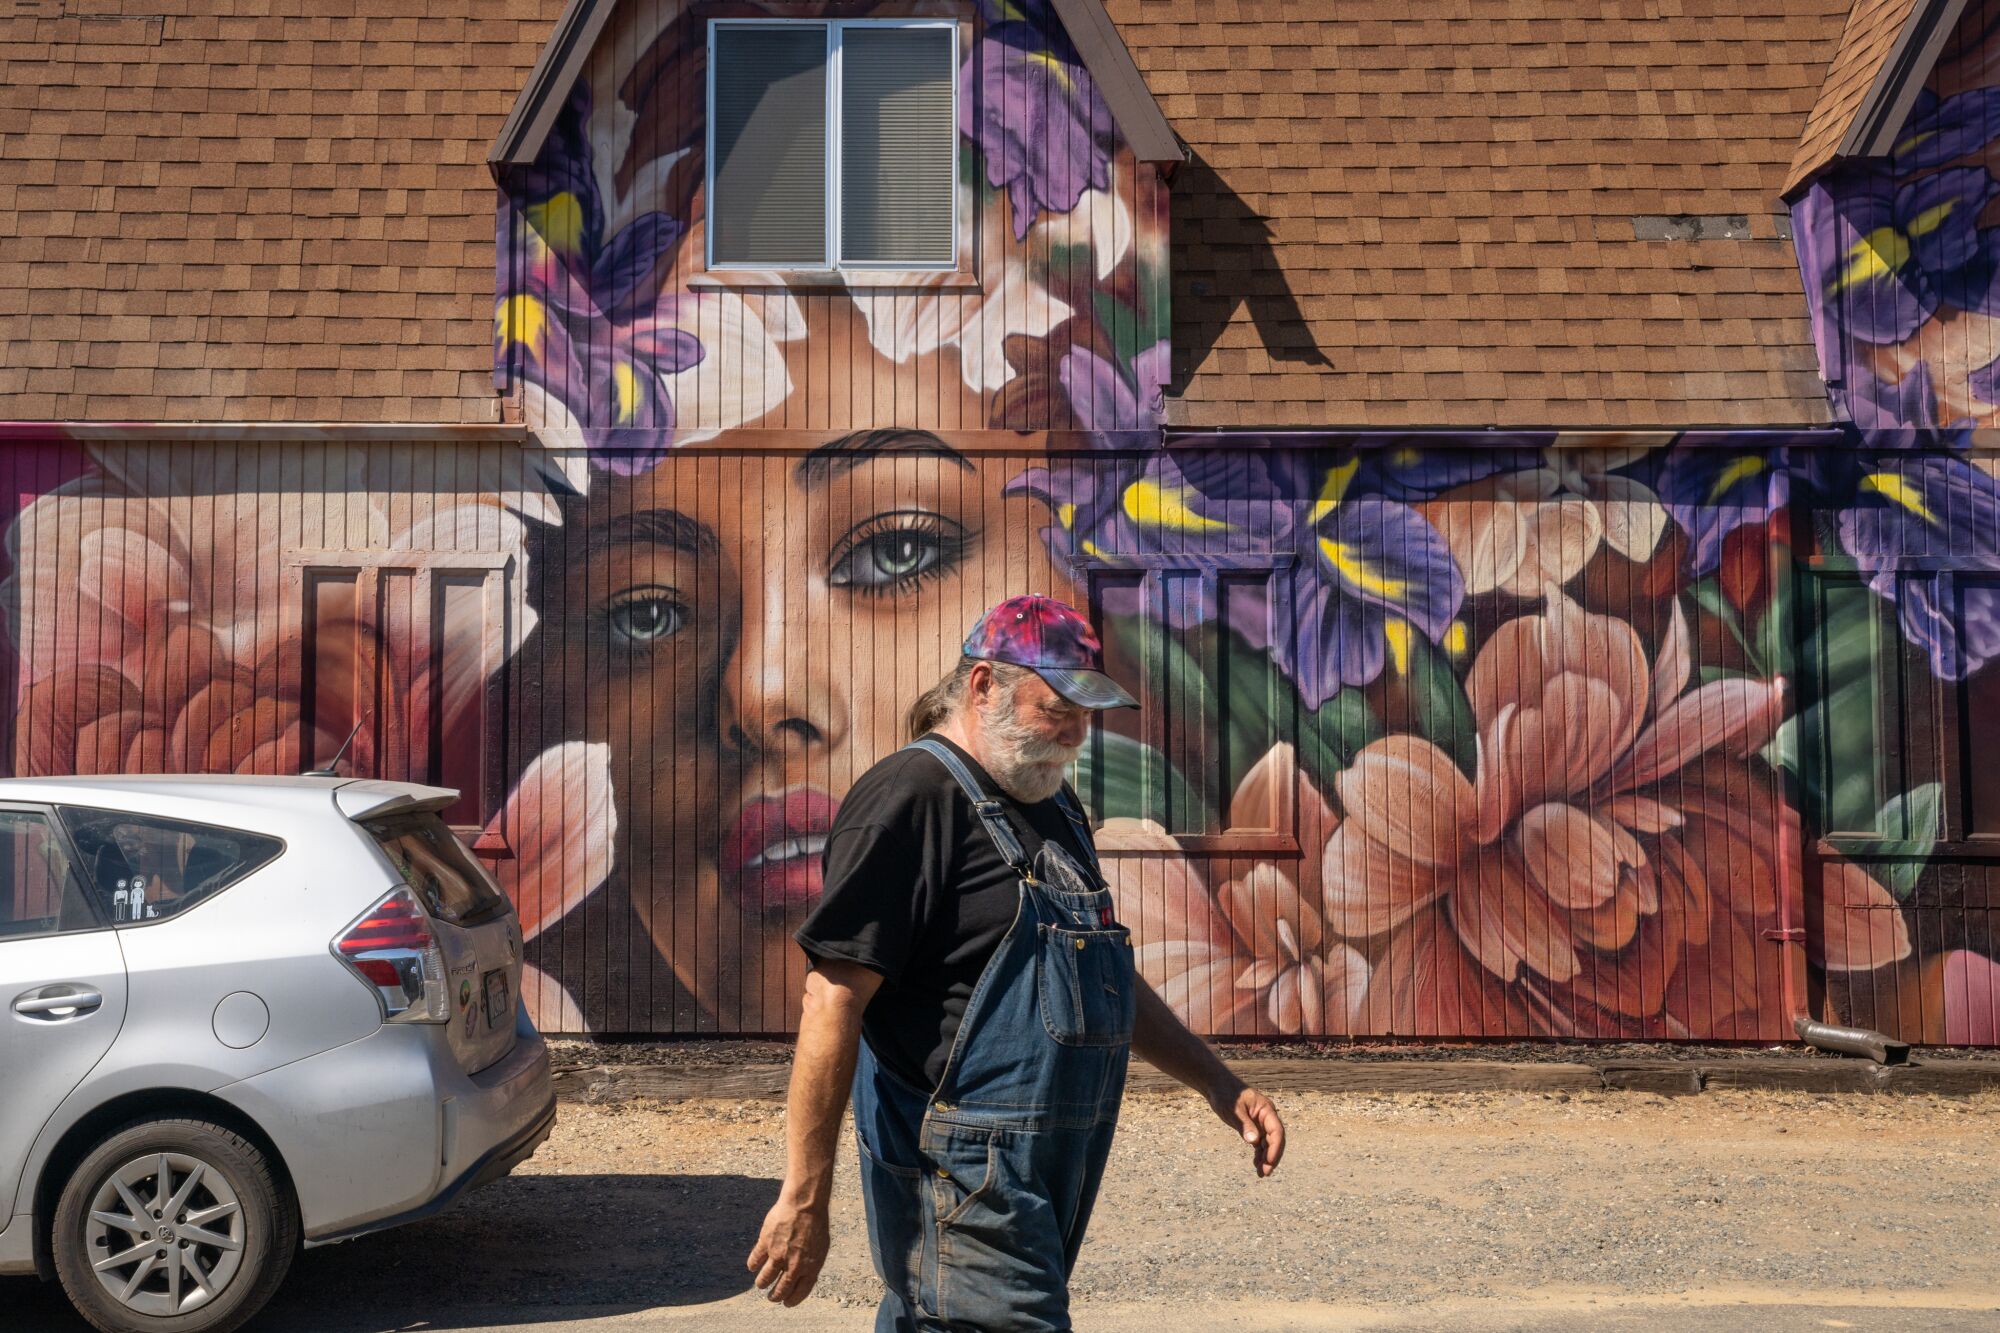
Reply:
x=833 y=145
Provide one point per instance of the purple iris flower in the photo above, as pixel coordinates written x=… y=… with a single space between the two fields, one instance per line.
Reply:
x=1368 y=567
x=1914 y=521
x=1940 y=131
x=1038 y=119
x=1103 y=399
x=580 y=313
x=1711 y=485
x=1886 y=256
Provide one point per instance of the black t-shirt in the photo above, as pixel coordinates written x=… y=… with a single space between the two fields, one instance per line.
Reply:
x=916 y=890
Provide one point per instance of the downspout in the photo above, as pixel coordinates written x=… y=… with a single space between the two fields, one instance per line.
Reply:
x=1790 y=933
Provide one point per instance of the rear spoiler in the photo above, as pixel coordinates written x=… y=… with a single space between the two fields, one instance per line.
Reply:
x=365 y=798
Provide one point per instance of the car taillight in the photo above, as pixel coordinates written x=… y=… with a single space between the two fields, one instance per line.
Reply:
x=390 y=947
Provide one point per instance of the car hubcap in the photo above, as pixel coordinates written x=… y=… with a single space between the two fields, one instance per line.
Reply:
x=165 y=1234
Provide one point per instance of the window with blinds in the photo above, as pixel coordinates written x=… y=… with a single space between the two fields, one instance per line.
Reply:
x=833 y=144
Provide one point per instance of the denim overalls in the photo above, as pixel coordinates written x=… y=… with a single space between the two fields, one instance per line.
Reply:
x=978 y=1192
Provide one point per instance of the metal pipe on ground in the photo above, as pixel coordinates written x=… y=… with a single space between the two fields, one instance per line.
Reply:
x=1852 y=1041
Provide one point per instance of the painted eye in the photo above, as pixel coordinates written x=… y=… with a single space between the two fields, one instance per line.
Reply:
x=887 y=557
x=647 y=616
x=896 y=555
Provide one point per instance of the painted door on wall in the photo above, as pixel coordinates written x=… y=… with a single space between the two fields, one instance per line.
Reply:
x=1439 y=741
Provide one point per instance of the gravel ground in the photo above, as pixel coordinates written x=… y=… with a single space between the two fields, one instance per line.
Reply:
x=570 y=1053
x=1481 y=1211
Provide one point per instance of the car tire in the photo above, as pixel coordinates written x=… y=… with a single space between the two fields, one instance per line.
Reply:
x=240 y=1220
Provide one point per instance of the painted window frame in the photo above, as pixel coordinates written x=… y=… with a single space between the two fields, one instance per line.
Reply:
x=1211 y=569
x=833 y=265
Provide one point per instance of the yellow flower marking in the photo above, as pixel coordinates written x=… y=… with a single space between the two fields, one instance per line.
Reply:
x=1156 y=506
x=1066 y=515
x=1742 y=468
x=625 y=391
x=521 y=319
x=1883 y=250
x=559 y=222
x=1932 y=218
x=1456 y=637
x=1330 y=494
x=1913 y=141
x=1397 y=632
x=1058 y=69
x=1898 y=491
x=1357 y=571
x=1090 y=549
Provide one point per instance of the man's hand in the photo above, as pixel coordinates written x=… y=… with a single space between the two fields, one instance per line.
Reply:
x=1251 y=1114
x=790 y=1251
x=1164 y=1040
x=791 y=1248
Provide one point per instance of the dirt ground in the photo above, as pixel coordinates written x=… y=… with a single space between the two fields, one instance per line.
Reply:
x=1469 y=1211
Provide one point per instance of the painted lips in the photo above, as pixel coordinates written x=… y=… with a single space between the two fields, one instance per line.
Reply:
x=771 y=857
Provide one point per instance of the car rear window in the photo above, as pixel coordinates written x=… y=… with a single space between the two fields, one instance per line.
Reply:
x=144 y=868
x=436 y=865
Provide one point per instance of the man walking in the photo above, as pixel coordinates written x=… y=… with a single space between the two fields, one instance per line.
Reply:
x=971 y=983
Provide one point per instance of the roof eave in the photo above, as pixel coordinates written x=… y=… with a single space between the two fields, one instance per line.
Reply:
x=1095 y=36
x=556 y=71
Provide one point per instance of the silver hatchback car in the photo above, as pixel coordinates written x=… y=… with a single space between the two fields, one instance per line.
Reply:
x=242 y=1014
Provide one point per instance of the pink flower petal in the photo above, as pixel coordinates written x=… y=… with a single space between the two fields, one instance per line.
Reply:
x=1506 y=922
x=1569 y=741
x=562 y=824
x=1971 y=999
x=1641 y=814
x=1852 y=922
x=1370 y=888
x=1573 y=857
x=1406 y=793
x=1258 y=904
x=1672 y=666
x=1691 y=725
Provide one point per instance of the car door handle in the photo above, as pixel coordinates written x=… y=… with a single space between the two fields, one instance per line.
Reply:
x=81 y=1002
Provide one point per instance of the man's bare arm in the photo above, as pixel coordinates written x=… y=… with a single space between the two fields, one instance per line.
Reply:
x=1164 y=1042
x=791 y=1248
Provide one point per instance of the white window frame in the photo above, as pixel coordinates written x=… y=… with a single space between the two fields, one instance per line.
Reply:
x=832 y=262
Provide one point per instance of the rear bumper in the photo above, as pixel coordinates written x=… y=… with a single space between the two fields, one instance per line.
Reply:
x=497 y=1162
x=389 y=1129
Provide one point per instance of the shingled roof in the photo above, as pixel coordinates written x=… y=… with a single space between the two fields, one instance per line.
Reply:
x=1448 y=213
x=1478 y=212
x=275 y=211
x=1886 y=50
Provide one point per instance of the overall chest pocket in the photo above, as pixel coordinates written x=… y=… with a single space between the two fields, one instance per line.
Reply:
x=1088 y=995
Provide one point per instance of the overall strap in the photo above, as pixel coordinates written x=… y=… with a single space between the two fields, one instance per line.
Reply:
x=991 y=813
x=1080 y=826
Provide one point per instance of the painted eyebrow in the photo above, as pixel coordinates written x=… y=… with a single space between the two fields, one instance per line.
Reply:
x=838 y=457
x=655 y=527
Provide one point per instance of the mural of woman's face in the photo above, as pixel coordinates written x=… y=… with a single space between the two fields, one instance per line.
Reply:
x=752 y=630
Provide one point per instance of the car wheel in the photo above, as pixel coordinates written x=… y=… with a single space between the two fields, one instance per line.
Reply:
x=174 y=1226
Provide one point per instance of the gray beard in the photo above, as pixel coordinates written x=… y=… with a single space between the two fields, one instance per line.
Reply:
x=1027 y=767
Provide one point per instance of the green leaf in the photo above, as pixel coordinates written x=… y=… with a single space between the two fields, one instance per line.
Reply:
x=1258 y=705
x=1121 y=322
x=1120 y=778
x=1916 y=820
x=1182 y=697
x=1443 y=715
x=1331 y=735
x=1773 y=634
x=1708 y=596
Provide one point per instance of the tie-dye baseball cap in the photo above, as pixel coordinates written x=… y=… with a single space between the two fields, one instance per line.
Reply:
x=1055 y=642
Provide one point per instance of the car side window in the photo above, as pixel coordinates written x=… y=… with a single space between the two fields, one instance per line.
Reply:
x=144 y=868
x=38 y=893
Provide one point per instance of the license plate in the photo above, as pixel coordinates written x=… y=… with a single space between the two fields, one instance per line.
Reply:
x=495 y=983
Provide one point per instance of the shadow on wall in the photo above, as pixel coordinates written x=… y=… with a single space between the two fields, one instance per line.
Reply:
x=513 y=1253
x=1216 y=232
